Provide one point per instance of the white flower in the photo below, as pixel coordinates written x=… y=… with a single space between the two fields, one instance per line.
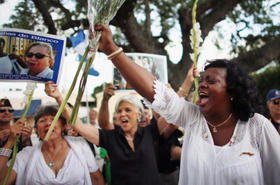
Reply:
x=28 y=90
x=196 y=39
x=192 y=56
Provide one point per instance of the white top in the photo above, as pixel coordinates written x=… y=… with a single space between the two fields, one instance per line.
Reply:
x=31 y=167
x=46 y=73
x=252 y=157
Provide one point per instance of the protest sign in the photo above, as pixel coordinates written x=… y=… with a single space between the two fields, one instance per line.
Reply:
x=30 y=56
x=156 y=64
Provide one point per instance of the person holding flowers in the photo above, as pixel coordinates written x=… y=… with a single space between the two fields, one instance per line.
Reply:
x=6 y=116
x=60 y=160
x=226 y=141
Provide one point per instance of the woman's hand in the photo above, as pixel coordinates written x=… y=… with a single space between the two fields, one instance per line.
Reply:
x=26 y=134
x=52 y=91
x=192 y=73
x=106 y=43
x=4 y=134
x=16 y=128
x=109 y=91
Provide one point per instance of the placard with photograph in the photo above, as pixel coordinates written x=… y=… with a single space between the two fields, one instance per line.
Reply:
x=30 y=56
x=156 y=64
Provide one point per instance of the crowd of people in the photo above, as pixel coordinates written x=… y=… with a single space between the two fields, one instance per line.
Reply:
x=165 y=139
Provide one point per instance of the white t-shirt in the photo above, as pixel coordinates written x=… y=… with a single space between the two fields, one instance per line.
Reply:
x=252 y=157
x=31 y=167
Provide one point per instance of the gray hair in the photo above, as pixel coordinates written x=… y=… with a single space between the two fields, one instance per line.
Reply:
x=135 y=101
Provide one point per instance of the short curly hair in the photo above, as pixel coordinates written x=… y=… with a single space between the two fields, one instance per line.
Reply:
x=241 y=87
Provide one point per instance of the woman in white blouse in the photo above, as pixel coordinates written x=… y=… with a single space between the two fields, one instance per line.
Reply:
x=60 y=160
x=226 y=141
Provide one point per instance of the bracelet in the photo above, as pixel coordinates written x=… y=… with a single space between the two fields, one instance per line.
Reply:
x=5 y=152
x=183 y=91
x=115 y=53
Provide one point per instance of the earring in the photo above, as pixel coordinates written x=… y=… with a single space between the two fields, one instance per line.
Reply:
x=231 y=99
x=139 y=120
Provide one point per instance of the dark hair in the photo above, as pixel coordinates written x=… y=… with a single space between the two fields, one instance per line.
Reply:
x=241 y=87
x=2 y=42
x=48 y=110
x=5 y=102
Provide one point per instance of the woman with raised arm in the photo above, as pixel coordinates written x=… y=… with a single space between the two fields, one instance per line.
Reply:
x=225 y=141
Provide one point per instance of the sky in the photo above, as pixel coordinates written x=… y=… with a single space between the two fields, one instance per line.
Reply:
x=104 y=66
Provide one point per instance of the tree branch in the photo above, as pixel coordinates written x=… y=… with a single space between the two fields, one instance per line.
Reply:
x=137 y=36
x=67 y=13
x=148 y=18
x=256 y=59
x=46 y=16
x=218 y=13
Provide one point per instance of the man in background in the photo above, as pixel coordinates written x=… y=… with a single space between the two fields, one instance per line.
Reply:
x=93 y=117
x=273 y=105
x=11 y=63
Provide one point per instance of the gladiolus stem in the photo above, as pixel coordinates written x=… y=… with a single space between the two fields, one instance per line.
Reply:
x=195 y=49
x=60 y=110
x=15 y=148
x=82 y=85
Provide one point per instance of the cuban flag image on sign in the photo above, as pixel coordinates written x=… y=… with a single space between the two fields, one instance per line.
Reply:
x=79 y=44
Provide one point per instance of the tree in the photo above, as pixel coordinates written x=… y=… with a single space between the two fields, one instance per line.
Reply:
x=135 y=22
x=268 y=79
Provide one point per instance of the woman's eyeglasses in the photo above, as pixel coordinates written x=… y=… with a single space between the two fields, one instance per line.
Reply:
x=4 y=110
x=276 y=102
x=37 y=55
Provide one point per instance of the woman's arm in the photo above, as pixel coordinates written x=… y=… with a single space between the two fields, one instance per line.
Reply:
x=11 y=179
x=97 y=178
x=182 y=92
x=103 y=116
x=139 y=78
x=175 y=153
x=88 y=131
x=185 y=87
